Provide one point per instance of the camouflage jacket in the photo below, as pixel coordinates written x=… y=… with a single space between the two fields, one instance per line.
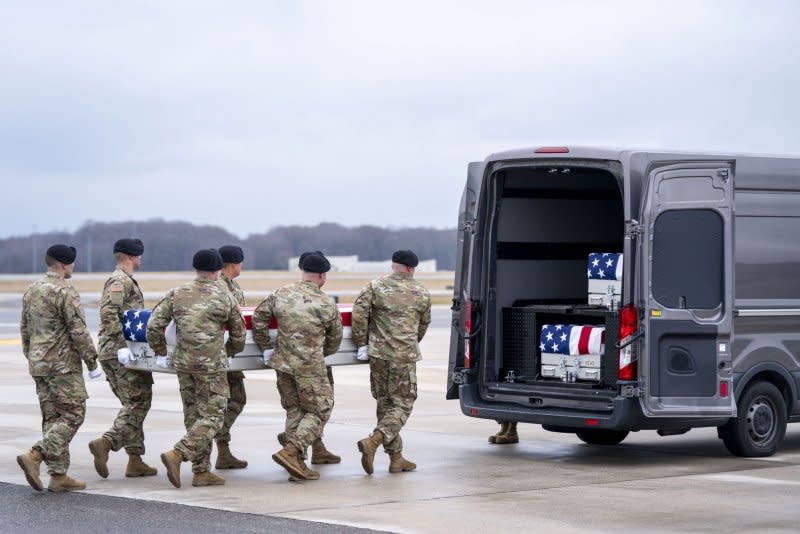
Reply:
x=232 y=287
x=53 y=329
x=121 y=293
x=200 y=309
x=309 y=328
x=391 y=315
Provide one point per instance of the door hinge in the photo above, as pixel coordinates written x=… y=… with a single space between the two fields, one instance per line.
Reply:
x=630 y=391
x=633 y=229
x=467 y=226
x=724 y=174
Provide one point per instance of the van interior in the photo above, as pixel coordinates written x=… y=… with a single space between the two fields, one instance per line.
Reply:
x=546 y=221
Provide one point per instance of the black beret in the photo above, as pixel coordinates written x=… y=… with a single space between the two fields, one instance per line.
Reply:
x=131 y=247
x=304 y=254
x=315 y=262
x=405 y=257
x=62 y=253
x=207 y=260
x=231 y=254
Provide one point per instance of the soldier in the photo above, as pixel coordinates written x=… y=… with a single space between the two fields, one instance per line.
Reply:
x=390 y=317
x=232 y=258
x=134 y=389
x=309 y=328
x=200 y=309
x=55 y=340
x=319 y=453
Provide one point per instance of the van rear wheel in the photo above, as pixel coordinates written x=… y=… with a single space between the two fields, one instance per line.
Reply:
x=602 y=436
x=761 y=422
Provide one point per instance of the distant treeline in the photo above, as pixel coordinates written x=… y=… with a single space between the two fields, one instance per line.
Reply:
x=169 y=246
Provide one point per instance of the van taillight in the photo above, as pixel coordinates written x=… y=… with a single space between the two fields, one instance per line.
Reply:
x=628 y=325
x=468 y=331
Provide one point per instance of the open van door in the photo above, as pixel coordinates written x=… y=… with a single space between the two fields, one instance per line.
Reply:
x=687 y=291
x=462 y=298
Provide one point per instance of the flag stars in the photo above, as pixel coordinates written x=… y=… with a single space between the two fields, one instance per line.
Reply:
x=139 y=326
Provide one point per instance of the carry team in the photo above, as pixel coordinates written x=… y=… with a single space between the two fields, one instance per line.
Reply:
x=390 y=316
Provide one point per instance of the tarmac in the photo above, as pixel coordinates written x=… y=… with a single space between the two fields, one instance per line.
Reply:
x=546 y=483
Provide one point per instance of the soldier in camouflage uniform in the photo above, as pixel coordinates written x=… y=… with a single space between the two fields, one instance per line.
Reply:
x=232 y=258
x=309 y=328
x=134 y=389
x=200 y=309
x=55 y=340
x=319 y=453
x=390 y=317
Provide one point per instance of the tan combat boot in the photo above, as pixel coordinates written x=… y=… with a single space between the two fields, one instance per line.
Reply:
x=30 y=462
x=282 y=439
x=172 y=461
x=321 y=455
x=207 y=478
x=137 y=467
x=289 y=458
x=310 y=474
x=225 y=459
x=510 y=435
x=398 y=464
x=99 y=448
x=503 y=430
x=368 y=447
x=59 y=483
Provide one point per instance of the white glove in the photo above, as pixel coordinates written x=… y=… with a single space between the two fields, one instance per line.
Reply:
x=267 y=355
x=362 y=354
x=161 y=361
x=230 y=363
x=95 y=373
x=124 y=356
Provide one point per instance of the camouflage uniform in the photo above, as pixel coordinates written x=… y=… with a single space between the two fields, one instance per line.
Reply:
x=309 y=328
x=391 y=315
x=134 y=389
x=238 y=394
x=55 y=340
x=200 y=310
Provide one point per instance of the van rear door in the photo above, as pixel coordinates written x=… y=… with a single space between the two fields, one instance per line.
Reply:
x=464 y=276
x=687 y=290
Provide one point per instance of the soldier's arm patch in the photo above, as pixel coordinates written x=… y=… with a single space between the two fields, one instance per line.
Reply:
x=76 y=302
x=116 y=286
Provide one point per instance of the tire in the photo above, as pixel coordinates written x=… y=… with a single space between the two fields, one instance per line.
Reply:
x=602 y=436
x=760 y=425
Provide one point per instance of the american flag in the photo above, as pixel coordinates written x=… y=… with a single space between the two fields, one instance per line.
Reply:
x=572 y=339
x=605 y=266
x=134 y=325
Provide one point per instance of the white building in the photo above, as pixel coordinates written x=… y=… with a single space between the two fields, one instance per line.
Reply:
x=351 y=264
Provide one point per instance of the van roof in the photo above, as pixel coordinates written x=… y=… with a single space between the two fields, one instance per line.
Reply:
x=615 y=154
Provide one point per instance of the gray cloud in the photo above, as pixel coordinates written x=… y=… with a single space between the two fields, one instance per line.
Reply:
x=252 y=114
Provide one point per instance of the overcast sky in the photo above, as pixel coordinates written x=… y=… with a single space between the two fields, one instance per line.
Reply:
x=256 y=114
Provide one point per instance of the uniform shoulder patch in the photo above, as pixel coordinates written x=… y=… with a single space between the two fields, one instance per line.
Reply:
x=116 y=286
x=76 y=302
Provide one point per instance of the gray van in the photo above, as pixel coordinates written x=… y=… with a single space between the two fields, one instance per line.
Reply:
x=702 y=329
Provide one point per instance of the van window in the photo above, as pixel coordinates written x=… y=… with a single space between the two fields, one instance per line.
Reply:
x=767 y=257
x=688 y=268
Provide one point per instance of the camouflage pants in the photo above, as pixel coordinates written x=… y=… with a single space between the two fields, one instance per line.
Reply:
x=308 y=402
x=236 y=403
x=205 y=399
x=394 y=387
x=134 y=389
x=62 y=400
